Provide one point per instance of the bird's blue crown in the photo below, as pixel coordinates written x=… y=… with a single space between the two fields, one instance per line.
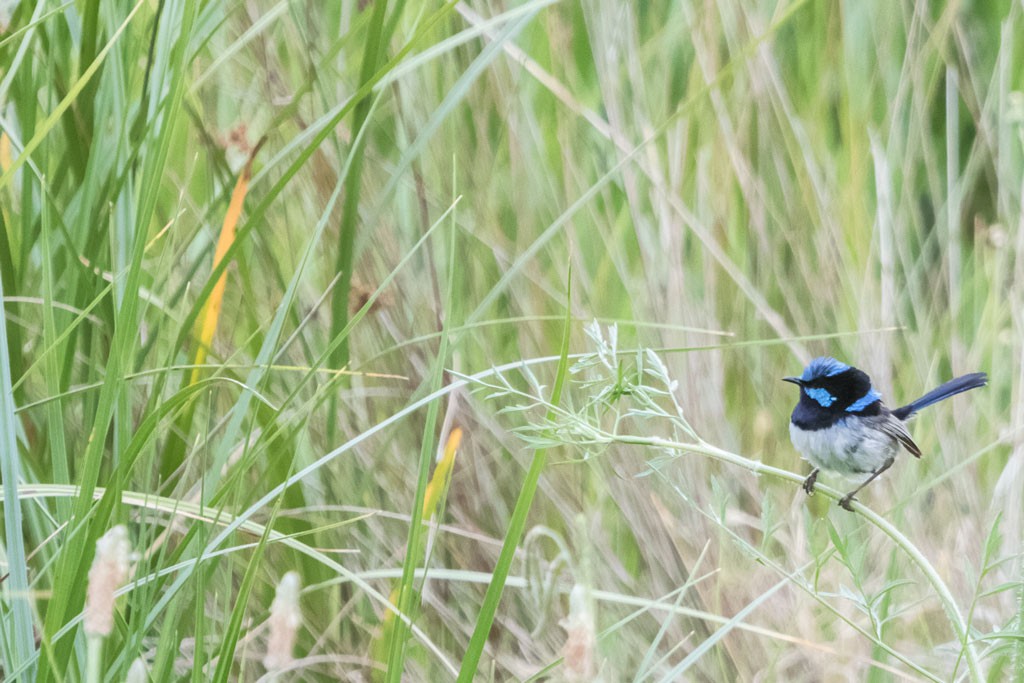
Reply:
x=823 y=367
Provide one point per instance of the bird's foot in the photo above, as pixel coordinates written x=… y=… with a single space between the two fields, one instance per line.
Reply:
x=845 y=501
x=810 y=481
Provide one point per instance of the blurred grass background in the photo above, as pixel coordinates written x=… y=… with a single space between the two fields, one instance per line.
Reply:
x=740 y=185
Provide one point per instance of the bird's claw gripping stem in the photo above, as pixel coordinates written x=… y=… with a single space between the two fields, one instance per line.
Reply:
x=810 y=481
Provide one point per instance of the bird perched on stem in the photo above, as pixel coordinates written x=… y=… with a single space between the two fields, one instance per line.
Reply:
x=841 y=424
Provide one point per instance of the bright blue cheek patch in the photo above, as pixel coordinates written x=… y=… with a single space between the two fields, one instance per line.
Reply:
x=864 y=401
x=822 y=396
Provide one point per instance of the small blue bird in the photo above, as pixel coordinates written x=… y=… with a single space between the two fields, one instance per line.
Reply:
x=840 y=423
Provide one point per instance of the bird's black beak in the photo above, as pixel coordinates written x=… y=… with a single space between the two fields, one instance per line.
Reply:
x=793 y=380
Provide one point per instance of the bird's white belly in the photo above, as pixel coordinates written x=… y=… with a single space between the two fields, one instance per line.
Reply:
x=847 y=447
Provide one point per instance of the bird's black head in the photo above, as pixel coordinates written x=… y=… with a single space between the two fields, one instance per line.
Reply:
x=834 y=387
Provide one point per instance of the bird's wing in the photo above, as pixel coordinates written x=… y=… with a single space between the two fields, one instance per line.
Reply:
x=895 y=428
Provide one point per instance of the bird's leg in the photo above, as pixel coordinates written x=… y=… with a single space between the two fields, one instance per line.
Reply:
x=845 y=501
x=810 y=481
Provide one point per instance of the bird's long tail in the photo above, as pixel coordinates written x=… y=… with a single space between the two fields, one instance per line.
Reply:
x=950 y=388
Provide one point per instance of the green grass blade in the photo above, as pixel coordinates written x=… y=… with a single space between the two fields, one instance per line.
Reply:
x=19 y=625
x=79 y=85
x=517 y=524
x=229 y=639
x=373 y=57
x=77 y=552
x=414 y=546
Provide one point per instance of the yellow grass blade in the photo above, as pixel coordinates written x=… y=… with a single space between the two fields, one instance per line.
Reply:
x=5 y=152
x=435 y=489
x=207 y=323
x=442 y=473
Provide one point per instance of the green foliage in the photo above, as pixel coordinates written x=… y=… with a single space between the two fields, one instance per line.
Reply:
x=733 y=186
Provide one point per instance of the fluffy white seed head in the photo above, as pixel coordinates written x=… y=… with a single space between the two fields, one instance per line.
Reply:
x=109 y=571
x=138 y=672
x=284 y=622
x=580 y=650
